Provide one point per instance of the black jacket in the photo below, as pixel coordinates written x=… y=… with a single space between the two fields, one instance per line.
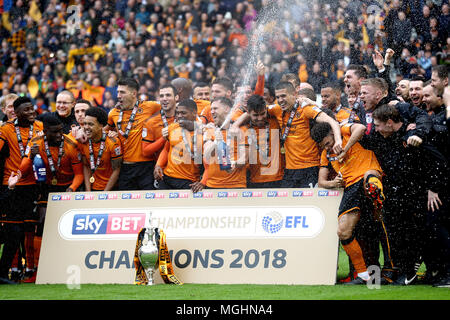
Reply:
x=409 y=171
x=67 y=122
x=409 y=113
x=440 y=136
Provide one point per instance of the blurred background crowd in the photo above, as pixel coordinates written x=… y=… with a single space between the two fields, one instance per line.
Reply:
x=85 y=46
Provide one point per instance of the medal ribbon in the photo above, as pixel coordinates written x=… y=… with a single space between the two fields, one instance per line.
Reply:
x=92 y=163
x=355 y=108
x=254 y=137
x=265 y=155
x=19 y=137
x=187 y=146
x=130 y=121
x=51 y=163
x=289 y=124
x=164 y=118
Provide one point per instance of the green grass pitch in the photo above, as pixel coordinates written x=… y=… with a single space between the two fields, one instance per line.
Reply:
x=224 y=292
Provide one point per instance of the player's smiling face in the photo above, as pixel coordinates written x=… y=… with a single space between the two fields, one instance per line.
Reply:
x=219 y=112
x=285 y=99
x=167 y=99
x=92 y=127
x=25 y=113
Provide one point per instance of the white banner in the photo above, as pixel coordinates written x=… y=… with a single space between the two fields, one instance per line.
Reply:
x=285 y=236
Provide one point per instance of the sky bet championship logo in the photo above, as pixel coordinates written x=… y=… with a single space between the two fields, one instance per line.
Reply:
x=89 y=224
x=195 y=222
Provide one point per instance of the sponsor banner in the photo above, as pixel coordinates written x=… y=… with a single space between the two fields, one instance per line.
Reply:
x=195 y=222
x=219 y=236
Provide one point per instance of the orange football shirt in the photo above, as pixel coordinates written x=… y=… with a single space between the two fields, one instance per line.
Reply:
x=356 y=163
x=301 y=150
x=179 y=162
x=70 y=160
x=223 y=179
x=132 y=146
x=104 y=170
x=271 y=169
x=12 y=163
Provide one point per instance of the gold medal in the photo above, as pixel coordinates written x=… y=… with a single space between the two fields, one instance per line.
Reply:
x=54 y=181
x=282 y=150
x=92 y=179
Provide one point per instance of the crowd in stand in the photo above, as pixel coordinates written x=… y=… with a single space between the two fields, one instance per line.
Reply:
x=159 y=41
x=148 y=84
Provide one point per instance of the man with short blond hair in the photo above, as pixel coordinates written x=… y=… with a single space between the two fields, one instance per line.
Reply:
x=6 y=106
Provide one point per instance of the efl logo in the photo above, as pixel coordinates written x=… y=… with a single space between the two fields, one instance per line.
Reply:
x=274 y=222
x=99 y=224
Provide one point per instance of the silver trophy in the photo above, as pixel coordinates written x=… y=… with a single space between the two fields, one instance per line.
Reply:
x=149 y=253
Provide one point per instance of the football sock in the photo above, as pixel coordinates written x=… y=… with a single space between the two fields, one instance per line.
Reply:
x=353 y=250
